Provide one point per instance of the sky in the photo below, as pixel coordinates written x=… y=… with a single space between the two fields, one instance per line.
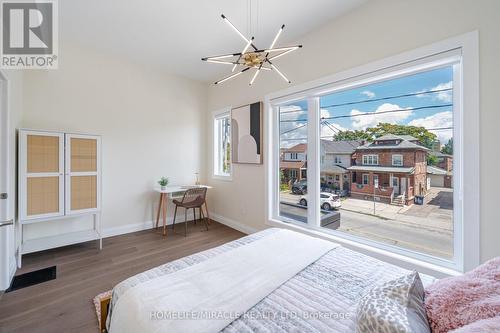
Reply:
x=436 y=112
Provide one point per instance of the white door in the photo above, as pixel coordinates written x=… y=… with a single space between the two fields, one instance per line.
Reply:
x=6 y=197
x=395 y=185
x=403 y=184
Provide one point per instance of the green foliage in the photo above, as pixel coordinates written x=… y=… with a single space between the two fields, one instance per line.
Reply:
x=448 y=147
x=163 y=181
x=425 y=137
x=352 y=135
x=432 y=159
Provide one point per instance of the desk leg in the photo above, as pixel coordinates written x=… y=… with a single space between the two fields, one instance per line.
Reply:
x=165 y=203
x=208 y=215
x=159 y=210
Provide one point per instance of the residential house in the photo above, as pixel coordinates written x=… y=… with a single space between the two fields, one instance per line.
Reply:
x=444 y=161
x=336 y=157
x=293 y=163
x=397 y=163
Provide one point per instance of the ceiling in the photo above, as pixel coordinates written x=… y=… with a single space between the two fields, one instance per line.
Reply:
x=175 y=34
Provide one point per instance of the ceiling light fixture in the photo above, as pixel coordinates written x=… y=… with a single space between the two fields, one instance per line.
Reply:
x=258 y=59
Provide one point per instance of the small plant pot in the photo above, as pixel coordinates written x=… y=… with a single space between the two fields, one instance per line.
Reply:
x=163 y=188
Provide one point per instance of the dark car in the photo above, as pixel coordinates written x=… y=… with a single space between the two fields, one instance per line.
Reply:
x=300 y=187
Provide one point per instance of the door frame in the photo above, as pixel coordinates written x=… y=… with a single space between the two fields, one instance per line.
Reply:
x=7 y=233
x=396 y=188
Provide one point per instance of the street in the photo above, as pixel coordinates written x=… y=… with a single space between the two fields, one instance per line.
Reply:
x=426 y=229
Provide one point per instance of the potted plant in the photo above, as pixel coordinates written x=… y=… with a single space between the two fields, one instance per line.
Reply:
x=163 y=182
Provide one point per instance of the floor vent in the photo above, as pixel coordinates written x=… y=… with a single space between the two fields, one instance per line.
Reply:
x=32 y=278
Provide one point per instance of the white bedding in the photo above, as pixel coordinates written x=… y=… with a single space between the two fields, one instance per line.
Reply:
x=223 y=286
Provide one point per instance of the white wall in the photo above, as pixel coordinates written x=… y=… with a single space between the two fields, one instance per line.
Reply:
x=376 y=30
x=152 y=125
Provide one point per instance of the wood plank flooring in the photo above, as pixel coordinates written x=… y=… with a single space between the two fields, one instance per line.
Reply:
x=65 y=304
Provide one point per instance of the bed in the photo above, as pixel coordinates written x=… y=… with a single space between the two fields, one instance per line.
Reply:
x=316 y=289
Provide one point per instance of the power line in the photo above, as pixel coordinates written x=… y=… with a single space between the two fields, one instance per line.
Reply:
x=376 y=99
x=374 y=113
x=331 y=136
x=293 y=129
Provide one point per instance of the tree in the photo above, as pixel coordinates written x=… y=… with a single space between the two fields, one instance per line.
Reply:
x=432 y=159
x=352 y=135
x=425 y=137
x=448 y=147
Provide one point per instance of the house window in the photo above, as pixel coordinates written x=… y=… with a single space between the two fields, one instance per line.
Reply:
x=425 y=94
x=294 y=156
x=337 y=160
x=337 y=177
x=293 y=173
x=222 y=145
x=370 y=159
x=375 y=180
x=397 y=160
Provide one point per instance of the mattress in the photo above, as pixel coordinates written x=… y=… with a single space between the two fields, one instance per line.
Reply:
x=321 y=298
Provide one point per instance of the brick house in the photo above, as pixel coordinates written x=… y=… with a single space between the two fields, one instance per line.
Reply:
x=441 y=175
x=293 y=162
x=399 y=162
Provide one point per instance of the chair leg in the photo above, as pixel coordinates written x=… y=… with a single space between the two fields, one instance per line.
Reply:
x=185 y=222
x=204 y=219
x=175 y=214
x=194 y=215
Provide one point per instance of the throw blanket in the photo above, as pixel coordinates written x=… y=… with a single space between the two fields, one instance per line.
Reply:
x=208 y=296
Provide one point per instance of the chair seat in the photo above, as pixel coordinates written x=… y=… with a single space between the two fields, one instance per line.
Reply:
x=190 y=204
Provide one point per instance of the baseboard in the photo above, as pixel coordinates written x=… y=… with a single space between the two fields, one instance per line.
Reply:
x=133 y=227
x=233 y=224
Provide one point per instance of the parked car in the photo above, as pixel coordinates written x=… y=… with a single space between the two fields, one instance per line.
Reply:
x=328 y=201
x=300 y=187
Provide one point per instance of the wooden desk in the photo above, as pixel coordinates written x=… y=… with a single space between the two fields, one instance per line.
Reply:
x=173 y=192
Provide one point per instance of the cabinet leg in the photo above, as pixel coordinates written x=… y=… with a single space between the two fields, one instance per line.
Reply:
x=165 y=214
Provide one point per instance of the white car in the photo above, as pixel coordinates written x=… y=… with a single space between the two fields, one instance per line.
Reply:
x=328 y=201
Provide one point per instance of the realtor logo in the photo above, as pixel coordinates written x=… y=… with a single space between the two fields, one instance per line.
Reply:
x=29 y=34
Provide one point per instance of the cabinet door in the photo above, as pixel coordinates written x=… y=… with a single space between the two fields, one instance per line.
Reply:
x=41 y=178
x=83 y=177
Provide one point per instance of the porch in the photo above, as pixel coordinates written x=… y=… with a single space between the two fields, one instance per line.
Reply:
x=393 y=188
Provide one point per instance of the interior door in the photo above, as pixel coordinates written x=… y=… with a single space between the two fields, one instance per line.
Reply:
x=83 y=179
x=41 y=174
x=6 y=215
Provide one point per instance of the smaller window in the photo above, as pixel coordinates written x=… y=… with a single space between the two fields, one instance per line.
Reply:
x=366 y=179
x=370 y=159
x=375 y=179
x=397 y=160
x=337 y=177
x=293 y=173
x=337 y=160
x=222 y=145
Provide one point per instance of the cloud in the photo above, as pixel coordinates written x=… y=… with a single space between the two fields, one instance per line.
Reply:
x=438 y=120
x=362 y=122
x=368 y=93
x=327 y=132
x=293 y=131
x=443 y=96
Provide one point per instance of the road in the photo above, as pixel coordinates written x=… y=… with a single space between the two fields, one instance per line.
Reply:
x=412 y=236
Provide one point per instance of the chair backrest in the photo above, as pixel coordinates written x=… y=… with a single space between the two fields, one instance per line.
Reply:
x=196 y=194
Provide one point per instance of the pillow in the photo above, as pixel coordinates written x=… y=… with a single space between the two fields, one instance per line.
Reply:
x=396 y=306
x=458 y=301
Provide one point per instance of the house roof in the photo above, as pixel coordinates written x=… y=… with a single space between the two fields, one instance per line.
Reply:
x=292 y=165
x=340 y=147
x=440 y=154
x=376 y=168
x=300 y=148
x=403 y=143
x=334 y=169
x=437 y=171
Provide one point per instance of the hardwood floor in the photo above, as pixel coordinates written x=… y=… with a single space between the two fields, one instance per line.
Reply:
x=65 y=304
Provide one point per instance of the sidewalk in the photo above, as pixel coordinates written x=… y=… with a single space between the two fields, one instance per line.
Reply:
x=387 y=211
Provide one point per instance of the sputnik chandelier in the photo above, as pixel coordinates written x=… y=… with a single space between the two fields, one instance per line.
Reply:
x=254 y=59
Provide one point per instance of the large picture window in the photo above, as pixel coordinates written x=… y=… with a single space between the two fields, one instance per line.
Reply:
x=222 y=145
x=396 y=133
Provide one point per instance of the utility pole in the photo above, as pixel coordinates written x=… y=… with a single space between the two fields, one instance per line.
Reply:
x=375 y=186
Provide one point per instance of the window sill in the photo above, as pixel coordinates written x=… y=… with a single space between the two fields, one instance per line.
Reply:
x=224 y=178
x=381 y=254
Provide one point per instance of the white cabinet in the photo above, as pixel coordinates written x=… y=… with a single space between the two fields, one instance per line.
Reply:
x=59 y=176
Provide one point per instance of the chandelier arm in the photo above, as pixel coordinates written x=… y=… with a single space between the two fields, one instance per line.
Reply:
x=242 y=52
x=221 y=56
x=238 y=32
x=281 y=54
x=284 y=48
x=255 y=75
x=232 y=75
x=278 y=71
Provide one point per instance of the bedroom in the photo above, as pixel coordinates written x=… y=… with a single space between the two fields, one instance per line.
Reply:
x=134 y=82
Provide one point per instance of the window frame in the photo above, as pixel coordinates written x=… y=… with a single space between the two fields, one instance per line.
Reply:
x=367 y=182
x=216 y=117
x=402 y=161
x=463 y=52
x=369 y=157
